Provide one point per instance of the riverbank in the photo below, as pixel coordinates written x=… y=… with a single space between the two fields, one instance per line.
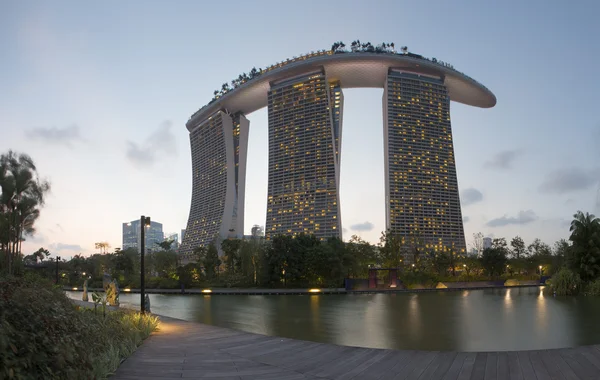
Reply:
x=182 y=349
x=325 y=291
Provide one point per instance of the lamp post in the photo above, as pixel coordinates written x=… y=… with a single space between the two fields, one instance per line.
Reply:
x=57 y=258
x=540 y=273
x=144 y=222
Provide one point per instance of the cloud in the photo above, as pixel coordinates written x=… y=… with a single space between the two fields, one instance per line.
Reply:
x=562 y=181
x=524 y=217
x=366 y=226
x=466 y=219
x=504 y=159
x=58 y=247
x=53 y=135
x=344 y=230
x=59 y=227
x=161 y=141
x=37 y=238
x=470 y=196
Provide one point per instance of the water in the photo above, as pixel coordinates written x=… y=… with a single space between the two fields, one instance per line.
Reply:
x=474 y=320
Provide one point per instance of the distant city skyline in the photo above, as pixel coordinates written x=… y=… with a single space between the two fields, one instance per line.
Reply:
x=102 y=109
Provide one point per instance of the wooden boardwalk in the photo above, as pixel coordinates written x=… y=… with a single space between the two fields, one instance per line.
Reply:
x=184 y=349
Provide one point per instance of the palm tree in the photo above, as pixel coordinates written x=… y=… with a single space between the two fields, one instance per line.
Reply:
x=22 y=195
x=585 y=252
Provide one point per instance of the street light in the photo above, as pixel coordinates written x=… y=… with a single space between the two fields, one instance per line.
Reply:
x=57 y=258
x=144 y=222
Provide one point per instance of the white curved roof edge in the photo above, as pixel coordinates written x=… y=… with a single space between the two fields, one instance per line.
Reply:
x=353 y=70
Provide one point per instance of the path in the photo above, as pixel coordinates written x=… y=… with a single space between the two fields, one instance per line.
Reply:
x=184 y=349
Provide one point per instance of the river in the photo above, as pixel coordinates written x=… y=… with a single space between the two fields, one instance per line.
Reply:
x=473 y=320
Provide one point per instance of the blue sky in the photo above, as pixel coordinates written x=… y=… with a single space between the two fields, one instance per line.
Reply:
x=98 y=94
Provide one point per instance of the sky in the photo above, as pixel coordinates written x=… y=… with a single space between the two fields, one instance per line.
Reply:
x=99 y=93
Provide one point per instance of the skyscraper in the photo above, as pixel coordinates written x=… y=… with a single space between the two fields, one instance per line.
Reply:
x=304 y=136
x=422 y=200
x=132 y=235
x=305 y=107
x=219 y=145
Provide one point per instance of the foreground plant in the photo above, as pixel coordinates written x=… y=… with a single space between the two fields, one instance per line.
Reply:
x=44 y=336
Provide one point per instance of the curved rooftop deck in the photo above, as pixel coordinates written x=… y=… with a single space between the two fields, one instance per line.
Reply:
x=352 y=69
x=194 y=350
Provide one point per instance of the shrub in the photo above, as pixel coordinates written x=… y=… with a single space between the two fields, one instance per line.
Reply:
x=43 y=335
x=593 y=288
x=565 y=283
x=415 y=280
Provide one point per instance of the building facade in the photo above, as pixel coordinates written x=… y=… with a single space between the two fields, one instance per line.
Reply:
x=132 y=236
x=305 y=110
x=304 y=137
x=421 y=186
x=219 y=146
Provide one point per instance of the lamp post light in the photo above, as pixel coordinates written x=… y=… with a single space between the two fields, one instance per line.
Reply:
x=144 y=222
x=57 y=259
x=540 y=272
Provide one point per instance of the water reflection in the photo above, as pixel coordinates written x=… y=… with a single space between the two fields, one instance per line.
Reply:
x=474 y=320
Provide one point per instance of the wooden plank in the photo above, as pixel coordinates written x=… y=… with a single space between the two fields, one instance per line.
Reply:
x=420 y=366
x=385 y=367
x=579 y=364
x=538 y=366
x=502 y=371
x=374 y=360
x=514 y=367
x=343 y=365
x=491 y=366
x=591 y=355
x=479 y=366
x=467 y=368
x=439 y=366
x=526 y=366
x=454 y=370
x=564 y=368
x=551 y=365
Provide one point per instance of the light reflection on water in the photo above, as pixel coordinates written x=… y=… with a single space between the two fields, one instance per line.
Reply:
x=474 y=320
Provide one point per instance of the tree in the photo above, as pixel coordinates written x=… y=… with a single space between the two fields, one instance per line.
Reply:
x=41 y=254
x=493 y=261
x=165 y=263
x=391 y=249
x=478 y=242
x=211 y=261
x=102 y=246
x=364 y=254
x=539 y=248
x=440 y=261
x=518 y=247
x=166 y=244
x=584 y=257
x=231 y=249
x=22 y=195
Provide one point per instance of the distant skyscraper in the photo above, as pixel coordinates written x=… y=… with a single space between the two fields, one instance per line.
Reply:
x=132 y=235
x=304 y=135
x=182 y=235
x=257 y=231
x=422 y=202
x=487 y=242
x=219 y=145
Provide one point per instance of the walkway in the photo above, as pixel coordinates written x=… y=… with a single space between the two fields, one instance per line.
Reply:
x=184 y=349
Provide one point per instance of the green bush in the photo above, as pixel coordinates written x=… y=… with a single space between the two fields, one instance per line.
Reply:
x=565 y=283
x=43 y=335
x=593 y=288
x=417 y=279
